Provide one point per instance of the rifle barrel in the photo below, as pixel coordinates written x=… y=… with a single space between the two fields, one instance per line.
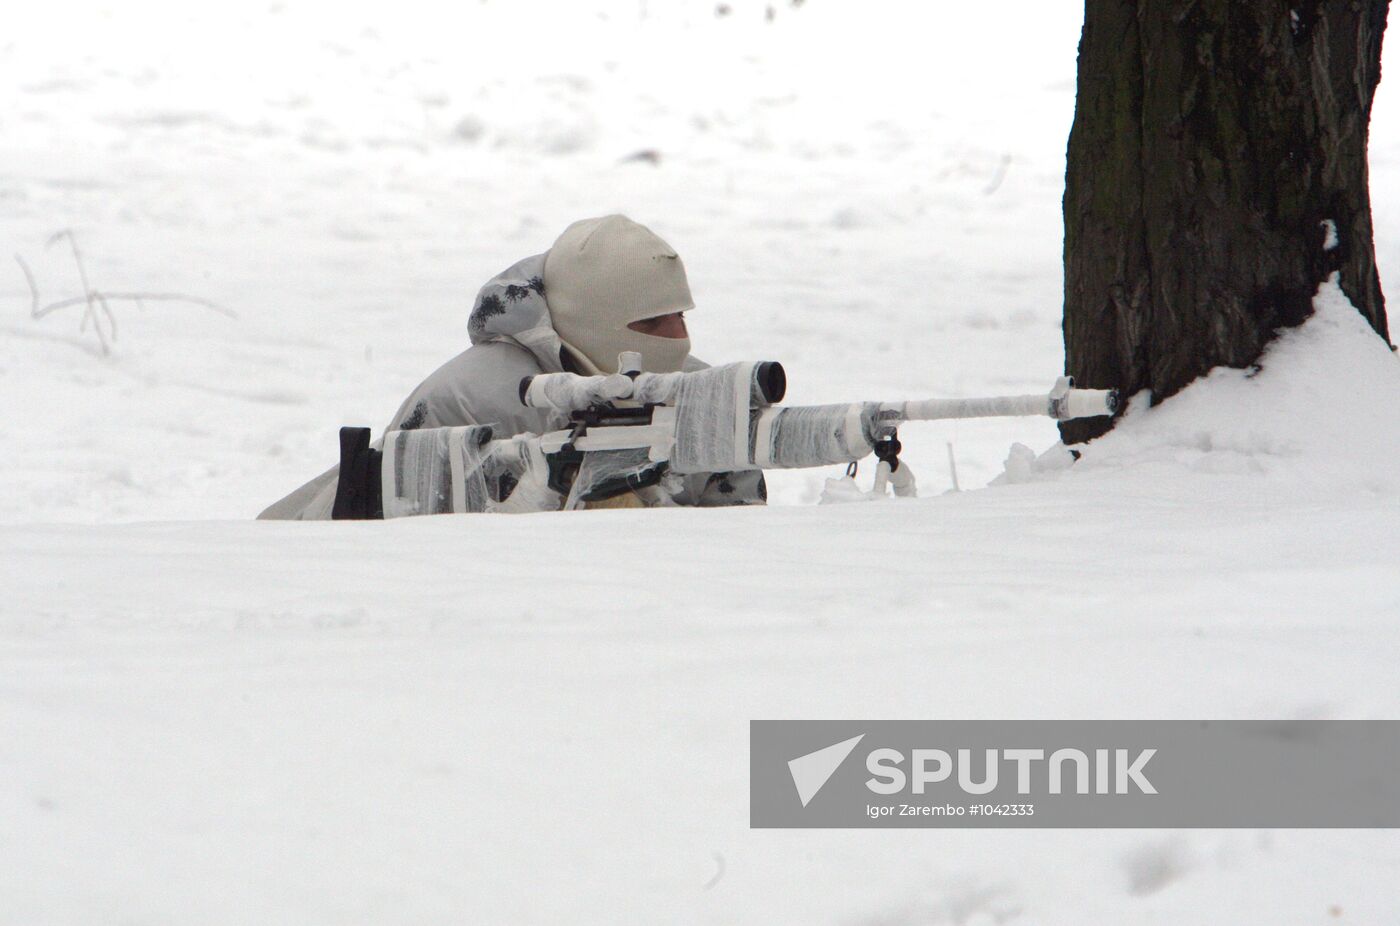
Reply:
x=1073 y=403
x=990 y=407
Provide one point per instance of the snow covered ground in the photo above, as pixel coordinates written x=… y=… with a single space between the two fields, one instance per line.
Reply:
x=544 y=718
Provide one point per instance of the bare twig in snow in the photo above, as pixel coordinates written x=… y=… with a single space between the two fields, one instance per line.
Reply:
x=90 y=298
x=106 y=310
x=97 y=305
x=140 y=298
x=34 y=310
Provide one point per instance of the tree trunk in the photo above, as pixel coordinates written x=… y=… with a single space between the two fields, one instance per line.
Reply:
x=1217 y=174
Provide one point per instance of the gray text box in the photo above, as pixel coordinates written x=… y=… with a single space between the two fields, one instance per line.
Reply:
x=1074 y=773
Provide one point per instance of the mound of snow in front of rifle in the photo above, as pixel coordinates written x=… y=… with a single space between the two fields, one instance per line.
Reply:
x=1319 y=416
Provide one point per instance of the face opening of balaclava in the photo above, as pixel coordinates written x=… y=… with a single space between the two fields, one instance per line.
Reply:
x=604 y=274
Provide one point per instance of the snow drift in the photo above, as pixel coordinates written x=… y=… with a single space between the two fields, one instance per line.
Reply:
x=1318 y=416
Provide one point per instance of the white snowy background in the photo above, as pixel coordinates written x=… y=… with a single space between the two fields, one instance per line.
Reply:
x=544 y=719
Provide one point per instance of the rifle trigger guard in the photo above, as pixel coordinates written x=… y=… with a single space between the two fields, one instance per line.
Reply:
x=564 y=464
x=887 y=450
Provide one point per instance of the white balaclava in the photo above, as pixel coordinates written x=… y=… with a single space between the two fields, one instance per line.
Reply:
x=602 y=275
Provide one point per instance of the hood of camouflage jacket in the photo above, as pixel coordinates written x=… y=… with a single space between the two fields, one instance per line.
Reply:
x=511 y=307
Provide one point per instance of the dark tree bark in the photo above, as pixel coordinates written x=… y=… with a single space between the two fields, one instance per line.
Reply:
x=1213 y=143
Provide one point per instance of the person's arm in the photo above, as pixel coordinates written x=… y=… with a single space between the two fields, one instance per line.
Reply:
x=478 y=386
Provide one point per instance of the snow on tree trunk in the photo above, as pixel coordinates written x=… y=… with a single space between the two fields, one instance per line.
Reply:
x=1217 y=173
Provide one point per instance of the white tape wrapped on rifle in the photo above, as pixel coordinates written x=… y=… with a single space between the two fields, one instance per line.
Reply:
x=813 y=435
x=435 y=471
x=713 y=411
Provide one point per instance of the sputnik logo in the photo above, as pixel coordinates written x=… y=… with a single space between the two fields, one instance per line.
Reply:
x=812 y=771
